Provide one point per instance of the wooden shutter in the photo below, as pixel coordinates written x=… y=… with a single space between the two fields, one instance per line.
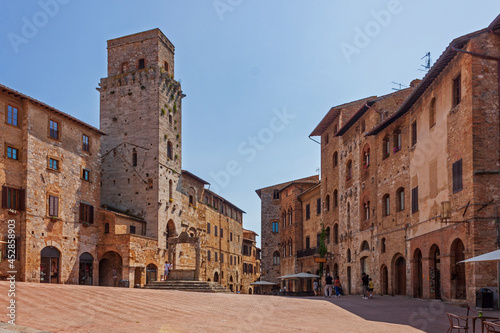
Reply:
x=4 y=197
x=91 y=214
x=82 y=212
x=22 y=199
x=414 y=200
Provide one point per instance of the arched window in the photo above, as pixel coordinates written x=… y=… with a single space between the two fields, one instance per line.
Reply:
x=165 y=66
x=348 y=215
x=290 y=217
x=365 y=246
x=432 y=113
x=366 y=209
x=386 y=205
x=276 y=258
x=400 y=199
x=284 y=250
x=348 y=170
x=397 y=140
x=141 y=64
x=335 y=159
x=290 y=251
x=336 y=233
x=284 y=220
x=386 y=147
x=327 y=235
x=335 y=199
x=170 y=190
x=327 y=203
x=124 y=67
x=366 y=157
x=170 y=150
x=382 y=245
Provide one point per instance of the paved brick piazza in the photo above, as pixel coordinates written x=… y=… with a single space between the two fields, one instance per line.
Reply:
x=73 y=308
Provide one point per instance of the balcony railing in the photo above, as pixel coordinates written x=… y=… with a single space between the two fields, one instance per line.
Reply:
x=307 y=252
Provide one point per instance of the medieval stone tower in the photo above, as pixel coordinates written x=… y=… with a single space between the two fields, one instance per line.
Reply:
x=140 y=111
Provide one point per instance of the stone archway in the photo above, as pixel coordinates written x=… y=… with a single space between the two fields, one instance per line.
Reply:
x=151 y=273
x=216 y=277
x=400 y=276
x=86 y=269
x=418 y=280
x=110 y=261
x=50 y=265
x=458 y=283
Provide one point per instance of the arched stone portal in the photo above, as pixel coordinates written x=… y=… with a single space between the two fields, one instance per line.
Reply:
x=49 y=265
x=109 y=261
x=417 y=274
x=216 y=277
x=458 y=270
x=384 y=280
x=400 y=276
x=151 y=273
x=86 y=271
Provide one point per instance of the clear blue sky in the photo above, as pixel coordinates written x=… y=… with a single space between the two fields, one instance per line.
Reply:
x=240 y=62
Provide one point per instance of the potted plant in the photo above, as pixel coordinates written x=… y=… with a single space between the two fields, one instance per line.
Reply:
x=54 y=218
x=12 y=212
x=396 y=149
x=86 y=224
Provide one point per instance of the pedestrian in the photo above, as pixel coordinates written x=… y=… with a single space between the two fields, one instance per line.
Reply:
x=338 y=287
x=328 y=285
x=370 y=287
x=166 y=268
x=115 y=277
x=315 y=287
x=365 y=280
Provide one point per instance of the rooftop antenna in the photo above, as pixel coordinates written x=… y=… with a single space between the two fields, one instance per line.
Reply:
x=398 y=84
x=427 y=65
x=317 y=170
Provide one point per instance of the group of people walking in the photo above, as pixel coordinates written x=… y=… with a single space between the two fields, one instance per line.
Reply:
x=331 y=286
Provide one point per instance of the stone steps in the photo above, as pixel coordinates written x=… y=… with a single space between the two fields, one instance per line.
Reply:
x=195 y=286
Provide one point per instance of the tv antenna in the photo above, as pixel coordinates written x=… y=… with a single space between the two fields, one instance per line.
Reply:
x=400 y=85
x=427 y=65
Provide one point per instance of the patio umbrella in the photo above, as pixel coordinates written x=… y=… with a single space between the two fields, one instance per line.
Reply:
x=490 y=256
x=306 y=275
x=263 y=283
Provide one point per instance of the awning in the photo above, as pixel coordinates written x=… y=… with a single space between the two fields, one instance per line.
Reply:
x=490 y=256
x=263 y=283
x=299 y=276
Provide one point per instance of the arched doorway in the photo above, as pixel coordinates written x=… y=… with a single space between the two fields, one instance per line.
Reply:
x=349 y=279
x=86 y=270
x=458 y=271
x=110 y=262
x=231 y=283
x=151 y=273
x=384 y=280
x=435 y=272
x=250 y=291
x=335 y=270
x=417 y=274
x=216 y=277
x=49 y=265
x=364 y=265
x=400 y=276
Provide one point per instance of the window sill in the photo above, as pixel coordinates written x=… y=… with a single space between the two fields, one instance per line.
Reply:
x=14 y=126
x=53 y=170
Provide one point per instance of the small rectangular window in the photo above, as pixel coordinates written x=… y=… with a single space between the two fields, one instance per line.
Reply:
x=231 y=236
x=54 y=129
x=414 y=200
x=53 y=164
x=12 y=115
x=87 y=213
x=12 y=153
x=209 y=255
x=208 y=228
x=215 y=256
x=85 y=143
x=414 y=133
x=86 y=174
x=134 y=159
x=457 y=90
x=215 y=230
x=222 y=258
x=132 y=229
x=457 y=176
x=221 y=233
x=106 y=228
x=142 y=63
x=53 y=206
x=308 y=212
x=318 y=206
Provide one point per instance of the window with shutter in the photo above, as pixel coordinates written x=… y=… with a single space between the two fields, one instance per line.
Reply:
x=414 y=200
x=457 y=176
x=53 y=206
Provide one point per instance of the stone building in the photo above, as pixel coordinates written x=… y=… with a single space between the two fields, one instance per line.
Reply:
x=251 y=261
x=50 y=175
x=410 y=180
x=97 y=211
x=281 y=226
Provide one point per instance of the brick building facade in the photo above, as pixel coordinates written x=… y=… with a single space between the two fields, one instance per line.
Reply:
x=410 y=182
x=94 y=210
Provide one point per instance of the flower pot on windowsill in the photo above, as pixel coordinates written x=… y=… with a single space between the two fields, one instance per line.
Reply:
x=396 y=149
x=54 y=218
x=12 y=212
x=86 y=224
